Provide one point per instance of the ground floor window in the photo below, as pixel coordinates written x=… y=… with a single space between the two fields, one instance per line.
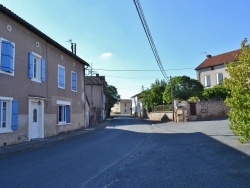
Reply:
x=8 y=114
x=63 y=112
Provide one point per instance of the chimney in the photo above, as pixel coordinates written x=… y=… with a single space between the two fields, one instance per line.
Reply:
x=73 y=48
x=209 y=56
x=97 y=75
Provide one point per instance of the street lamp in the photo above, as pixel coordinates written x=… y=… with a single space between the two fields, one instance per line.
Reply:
x=163 y=105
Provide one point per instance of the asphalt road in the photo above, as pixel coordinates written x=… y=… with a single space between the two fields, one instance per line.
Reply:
x=135 y=153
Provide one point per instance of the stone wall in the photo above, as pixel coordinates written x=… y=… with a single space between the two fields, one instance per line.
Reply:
x=211 y=109
x=160 y=116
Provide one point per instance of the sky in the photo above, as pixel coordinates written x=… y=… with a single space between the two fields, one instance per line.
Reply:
x=110 y=37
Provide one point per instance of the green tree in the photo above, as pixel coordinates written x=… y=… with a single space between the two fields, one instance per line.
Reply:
x=183 y=88
x=154 y=95
x=111 y=98
x=218 y=92
x=239 y=98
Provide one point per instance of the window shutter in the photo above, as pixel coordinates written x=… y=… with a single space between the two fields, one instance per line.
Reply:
x=67 y=113
x=43 y=75
x=7 y=54
x=14 y=123
x=74 y=81
x=61 y=76
x=30 y=62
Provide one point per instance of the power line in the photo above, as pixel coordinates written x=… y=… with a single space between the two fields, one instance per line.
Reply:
x=150 y=39
x=140 y=70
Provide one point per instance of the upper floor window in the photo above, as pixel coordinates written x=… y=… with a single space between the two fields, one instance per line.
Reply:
x=7 y=58
x=36 y=67
x=207 y=81
x=219 y=78
x=73 y=81
x=61 y=77
x=8 y=114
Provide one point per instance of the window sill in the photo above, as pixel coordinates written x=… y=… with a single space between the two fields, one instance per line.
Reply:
x=34 y=80
x=8 y=73
x=59 y=124
x=5 y=131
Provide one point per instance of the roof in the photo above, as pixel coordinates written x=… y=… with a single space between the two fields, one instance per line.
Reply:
x=93 y=80
x=219 y=59
x=30 y=27
x=136 y=95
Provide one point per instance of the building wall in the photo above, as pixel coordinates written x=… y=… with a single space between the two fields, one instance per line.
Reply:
x=20 y=86
x=208 y=71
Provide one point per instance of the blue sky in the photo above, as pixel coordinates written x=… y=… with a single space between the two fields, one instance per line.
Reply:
x=110 y=36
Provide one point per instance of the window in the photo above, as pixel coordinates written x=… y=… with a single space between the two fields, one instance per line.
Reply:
x=125 y=105
x=36 y=67
x=8 y=114
x=63 y=112
x=219 y=78
x=207 y=81
x=7 y=57
x=61 y=77
x=73 y=81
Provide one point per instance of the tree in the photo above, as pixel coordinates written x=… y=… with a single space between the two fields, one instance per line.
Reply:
x=239 y=98
x=183 y=88
x=111 y=98
x=219 y=92
x=154 y=95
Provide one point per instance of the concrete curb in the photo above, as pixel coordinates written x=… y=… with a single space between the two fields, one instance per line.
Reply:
x=30 y=145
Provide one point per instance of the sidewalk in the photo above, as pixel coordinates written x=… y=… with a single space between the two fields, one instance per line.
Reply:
x=29 y=145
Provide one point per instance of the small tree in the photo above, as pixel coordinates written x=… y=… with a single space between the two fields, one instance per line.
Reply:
x=183 y=88
x=218 y=92
x=239 y=99
x=111 y=98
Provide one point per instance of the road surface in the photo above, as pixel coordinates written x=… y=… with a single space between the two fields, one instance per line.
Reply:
x=135 y=153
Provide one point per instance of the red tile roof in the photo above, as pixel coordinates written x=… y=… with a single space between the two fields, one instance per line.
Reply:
x=219 y=59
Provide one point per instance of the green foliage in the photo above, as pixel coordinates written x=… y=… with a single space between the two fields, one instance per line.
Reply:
x=111 y=97
x=239 y=99
x=153 y=96
x=193 y=99
x=218 y=92
x=183 y=88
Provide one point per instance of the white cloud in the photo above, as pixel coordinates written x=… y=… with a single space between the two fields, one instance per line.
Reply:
x=106 y=55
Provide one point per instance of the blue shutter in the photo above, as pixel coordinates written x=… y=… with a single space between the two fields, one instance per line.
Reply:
x=67 y=108
x=74 y=81
x=0 y=110
x=30 y=63
x=14 y=123
x=7 y=54
x=43 y=70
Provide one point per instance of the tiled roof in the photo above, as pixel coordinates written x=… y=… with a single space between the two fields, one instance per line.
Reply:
x=219 y=59
x=30 y=27
x=93 y=80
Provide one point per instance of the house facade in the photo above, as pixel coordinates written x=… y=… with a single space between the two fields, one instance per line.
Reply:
x=95 y=93
x=41 y=90
x=124 y=106
x=212 y=70
x=136 y=105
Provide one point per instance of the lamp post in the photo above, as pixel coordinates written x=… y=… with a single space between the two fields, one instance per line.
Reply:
x=163 y=105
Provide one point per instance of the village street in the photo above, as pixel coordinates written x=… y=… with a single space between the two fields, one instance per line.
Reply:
x=135 y=153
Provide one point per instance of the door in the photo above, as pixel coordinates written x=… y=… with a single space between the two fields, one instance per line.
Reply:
x=35 y=124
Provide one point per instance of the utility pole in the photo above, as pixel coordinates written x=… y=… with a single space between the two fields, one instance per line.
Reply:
x=171 y=84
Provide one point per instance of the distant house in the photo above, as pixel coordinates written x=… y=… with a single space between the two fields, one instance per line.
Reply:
x=40 y=83
x=124 y=106
x=212 y=71
x=95 y=93
x=136 y=104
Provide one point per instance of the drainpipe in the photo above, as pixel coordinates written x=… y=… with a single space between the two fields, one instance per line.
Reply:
x=84 y=98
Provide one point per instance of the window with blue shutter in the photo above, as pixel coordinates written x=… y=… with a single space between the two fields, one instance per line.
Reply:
x=14 y=122
x=7 y=56
x=73 y=81
x=61 y=77
x=43 y=70
x=63 y=114
x=36 y=67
